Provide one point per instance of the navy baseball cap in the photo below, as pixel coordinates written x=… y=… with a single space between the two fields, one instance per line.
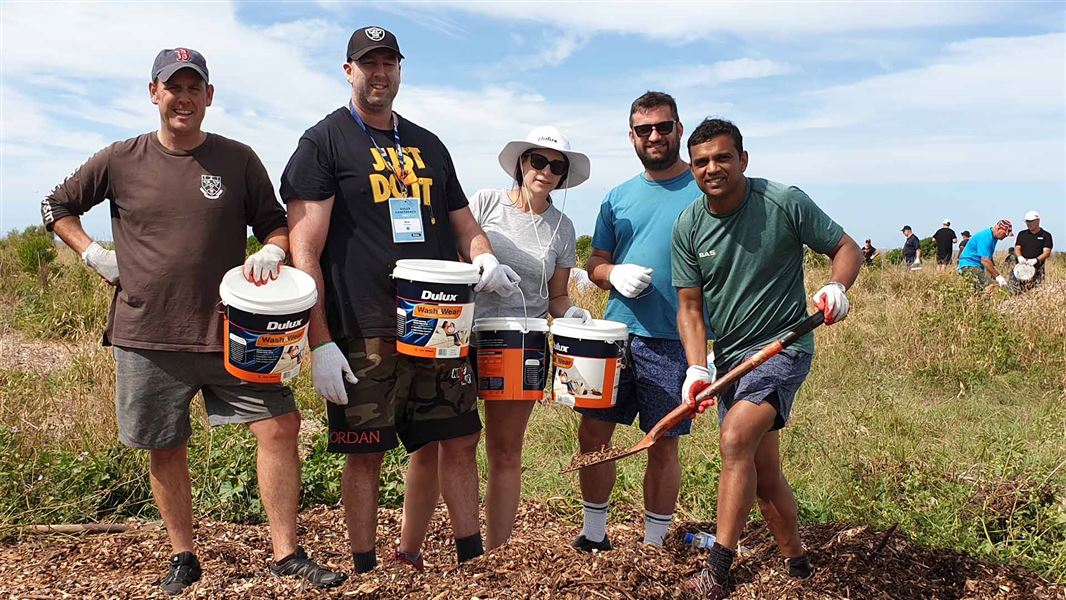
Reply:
x=371 y=38
x=172 y=60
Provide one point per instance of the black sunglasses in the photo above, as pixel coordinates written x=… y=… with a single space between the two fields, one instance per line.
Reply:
x=663 y=128
x=539 y=161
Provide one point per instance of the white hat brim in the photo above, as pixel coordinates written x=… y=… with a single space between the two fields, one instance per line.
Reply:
x=580 y=166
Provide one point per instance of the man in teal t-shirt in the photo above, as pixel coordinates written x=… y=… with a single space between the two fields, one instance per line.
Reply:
x=975 y=261
x=631 y=257
x=738 y=252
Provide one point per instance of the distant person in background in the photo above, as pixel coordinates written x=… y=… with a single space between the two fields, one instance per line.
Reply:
x=1033 y=246
x=1011 y=260
x=869 y=253
x=945 y=241
x=962 y=243
x=912 y=250
x=976 y=264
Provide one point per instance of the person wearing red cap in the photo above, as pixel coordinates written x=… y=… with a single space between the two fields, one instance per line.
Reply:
x=975 y=262
x=181 y=201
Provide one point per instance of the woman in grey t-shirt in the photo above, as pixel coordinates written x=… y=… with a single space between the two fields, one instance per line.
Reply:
x=533 y=237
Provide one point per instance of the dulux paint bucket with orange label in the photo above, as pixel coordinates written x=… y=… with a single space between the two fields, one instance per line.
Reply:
x=512 y=358
x=588 y=358
x=265 y=327
x=434 y=307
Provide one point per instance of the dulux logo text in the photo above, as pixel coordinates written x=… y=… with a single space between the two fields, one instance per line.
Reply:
x=561 y=348
x=439 y=296
x=274 y=325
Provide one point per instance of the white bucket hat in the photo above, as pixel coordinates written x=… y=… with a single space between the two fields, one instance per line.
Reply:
x=552 y=139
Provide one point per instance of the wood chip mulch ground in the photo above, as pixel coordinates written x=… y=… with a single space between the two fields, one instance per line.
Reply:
x=537 y=563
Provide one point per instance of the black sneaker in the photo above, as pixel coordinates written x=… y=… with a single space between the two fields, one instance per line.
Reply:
x=706 y=586
x=298 y=564
x=584 y=544
x=799 y=567
x=184 y=571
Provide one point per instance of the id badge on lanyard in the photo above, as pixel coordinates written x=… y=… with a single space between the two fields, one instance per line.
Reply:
x=405 y=214
x=406 y=217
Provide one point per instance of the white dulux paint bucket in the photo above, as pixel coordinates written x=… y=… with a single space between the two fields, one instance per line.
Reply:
x=434 y=307
x=588 y=359
x=265 y=327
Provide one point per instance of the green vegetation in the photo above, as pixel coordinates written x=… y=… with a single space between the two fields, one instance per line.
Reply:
x=931 y=406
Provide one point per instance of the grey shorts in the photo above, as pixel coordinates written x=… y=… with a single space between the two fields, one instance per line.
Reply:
x=775 y=382
x=153 y=390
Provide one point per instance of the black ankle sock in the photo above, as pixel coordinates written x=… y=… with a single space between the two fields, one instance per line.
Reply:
x=365 y=561
x=469 y=547
x=799 y=567
x=720 y=560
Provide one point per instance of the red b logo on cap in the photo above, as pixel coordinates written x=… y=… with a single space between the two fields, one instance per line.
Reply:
x=183 y=54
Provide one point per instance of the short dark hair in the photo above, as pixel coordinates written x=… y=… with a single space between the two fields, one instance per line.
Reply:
x=649 y=100
x=712 y=128
x=966 y=233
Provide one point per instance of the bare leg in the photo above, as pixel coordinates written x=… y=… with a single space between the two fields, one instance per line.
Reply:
x=360 y=485
x=459 y=485
x=278 y=468
x=742 y=431
x=168 y=473
x=776 y=501
x=422 y=490
x=662 y=479
x=596 y=481
x=505 y=430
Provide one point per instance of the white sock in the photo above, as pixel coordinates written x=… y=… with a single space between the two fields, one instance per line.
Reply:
x=595 y=526
x=655 y=527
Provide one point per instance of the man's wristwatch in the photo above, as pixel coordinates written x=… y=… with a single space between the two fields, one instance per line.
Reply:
x=843 y=289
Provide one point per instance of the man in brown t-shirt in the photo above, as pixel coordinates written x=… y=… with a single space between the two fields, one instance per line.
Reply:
x=180 y=201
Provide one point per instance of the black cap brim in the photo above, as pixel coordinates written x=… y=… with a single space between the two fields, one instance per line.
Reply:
x=360 y=53
x=168 y=71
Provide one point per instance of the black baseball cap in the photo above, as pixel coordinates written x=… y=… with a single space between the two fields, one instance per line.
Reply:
x=371 y=38
x=172 y=60
x=906 y=228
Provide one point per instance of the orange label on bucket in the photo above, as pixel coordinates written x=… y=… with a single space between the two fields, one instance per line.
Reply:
x=437 y=311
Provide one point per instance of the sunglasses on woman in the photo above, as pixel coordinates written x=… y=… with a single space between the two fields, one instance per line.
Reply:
x=539 y=161
x=663 y=128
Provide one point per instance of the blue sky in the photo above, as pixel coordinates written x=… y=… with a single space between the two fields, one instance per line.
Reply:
x=885 y=113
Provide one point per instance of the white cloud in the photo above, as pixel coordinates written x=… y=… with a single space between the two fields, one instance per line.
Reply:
x=677 y=22
x=679 y=77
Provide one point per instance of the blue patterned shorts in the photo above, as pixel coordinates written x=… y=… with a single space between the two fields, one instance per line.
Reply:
x=776 y=382
x=649 y=385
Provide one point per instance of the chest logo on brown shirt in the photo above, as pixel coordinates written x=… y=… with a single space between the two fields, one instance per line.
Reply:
x=211 y=186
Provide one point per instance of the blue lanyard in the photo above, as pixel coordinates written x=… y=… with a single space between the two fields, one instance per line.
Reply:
x=385 y=155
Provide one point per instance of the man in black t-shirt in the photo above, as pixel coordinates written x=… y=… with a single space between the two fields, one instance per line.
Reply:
x=1033 y=247
x=912 y=250
x=869 y=253
x=359 y=182
x=945 y=242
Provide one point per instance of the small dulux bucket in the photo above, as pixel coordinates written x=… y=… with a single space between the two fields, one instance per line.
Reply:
x=588 y=359
x=512 y=358
x=265 y=327
x=434 y=307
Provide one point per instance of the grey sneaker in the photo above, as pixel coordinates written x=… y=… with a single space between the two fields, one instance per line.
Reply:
x=298 y=564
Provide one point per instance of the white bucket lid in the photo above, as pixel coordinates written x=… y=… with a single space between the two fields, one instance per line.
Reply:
x=292 y=292
x=596 y=329
x=510 y=324
x=436 y=271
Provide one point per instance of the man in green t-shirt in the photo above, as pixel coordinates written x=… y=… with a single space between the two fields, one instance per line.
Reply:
x=738 y=251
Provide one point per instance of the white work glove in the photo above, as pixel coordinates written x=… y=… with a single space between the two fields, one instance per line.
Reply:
x=917 y=262
x=630 y=280
x=103 y=261
x=832 y=301
x=329 y=371
x=1001 y=281
x=697 y=379
x=1030 y=261
x=495 y=277
x=576 y=312
x=265 y=265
